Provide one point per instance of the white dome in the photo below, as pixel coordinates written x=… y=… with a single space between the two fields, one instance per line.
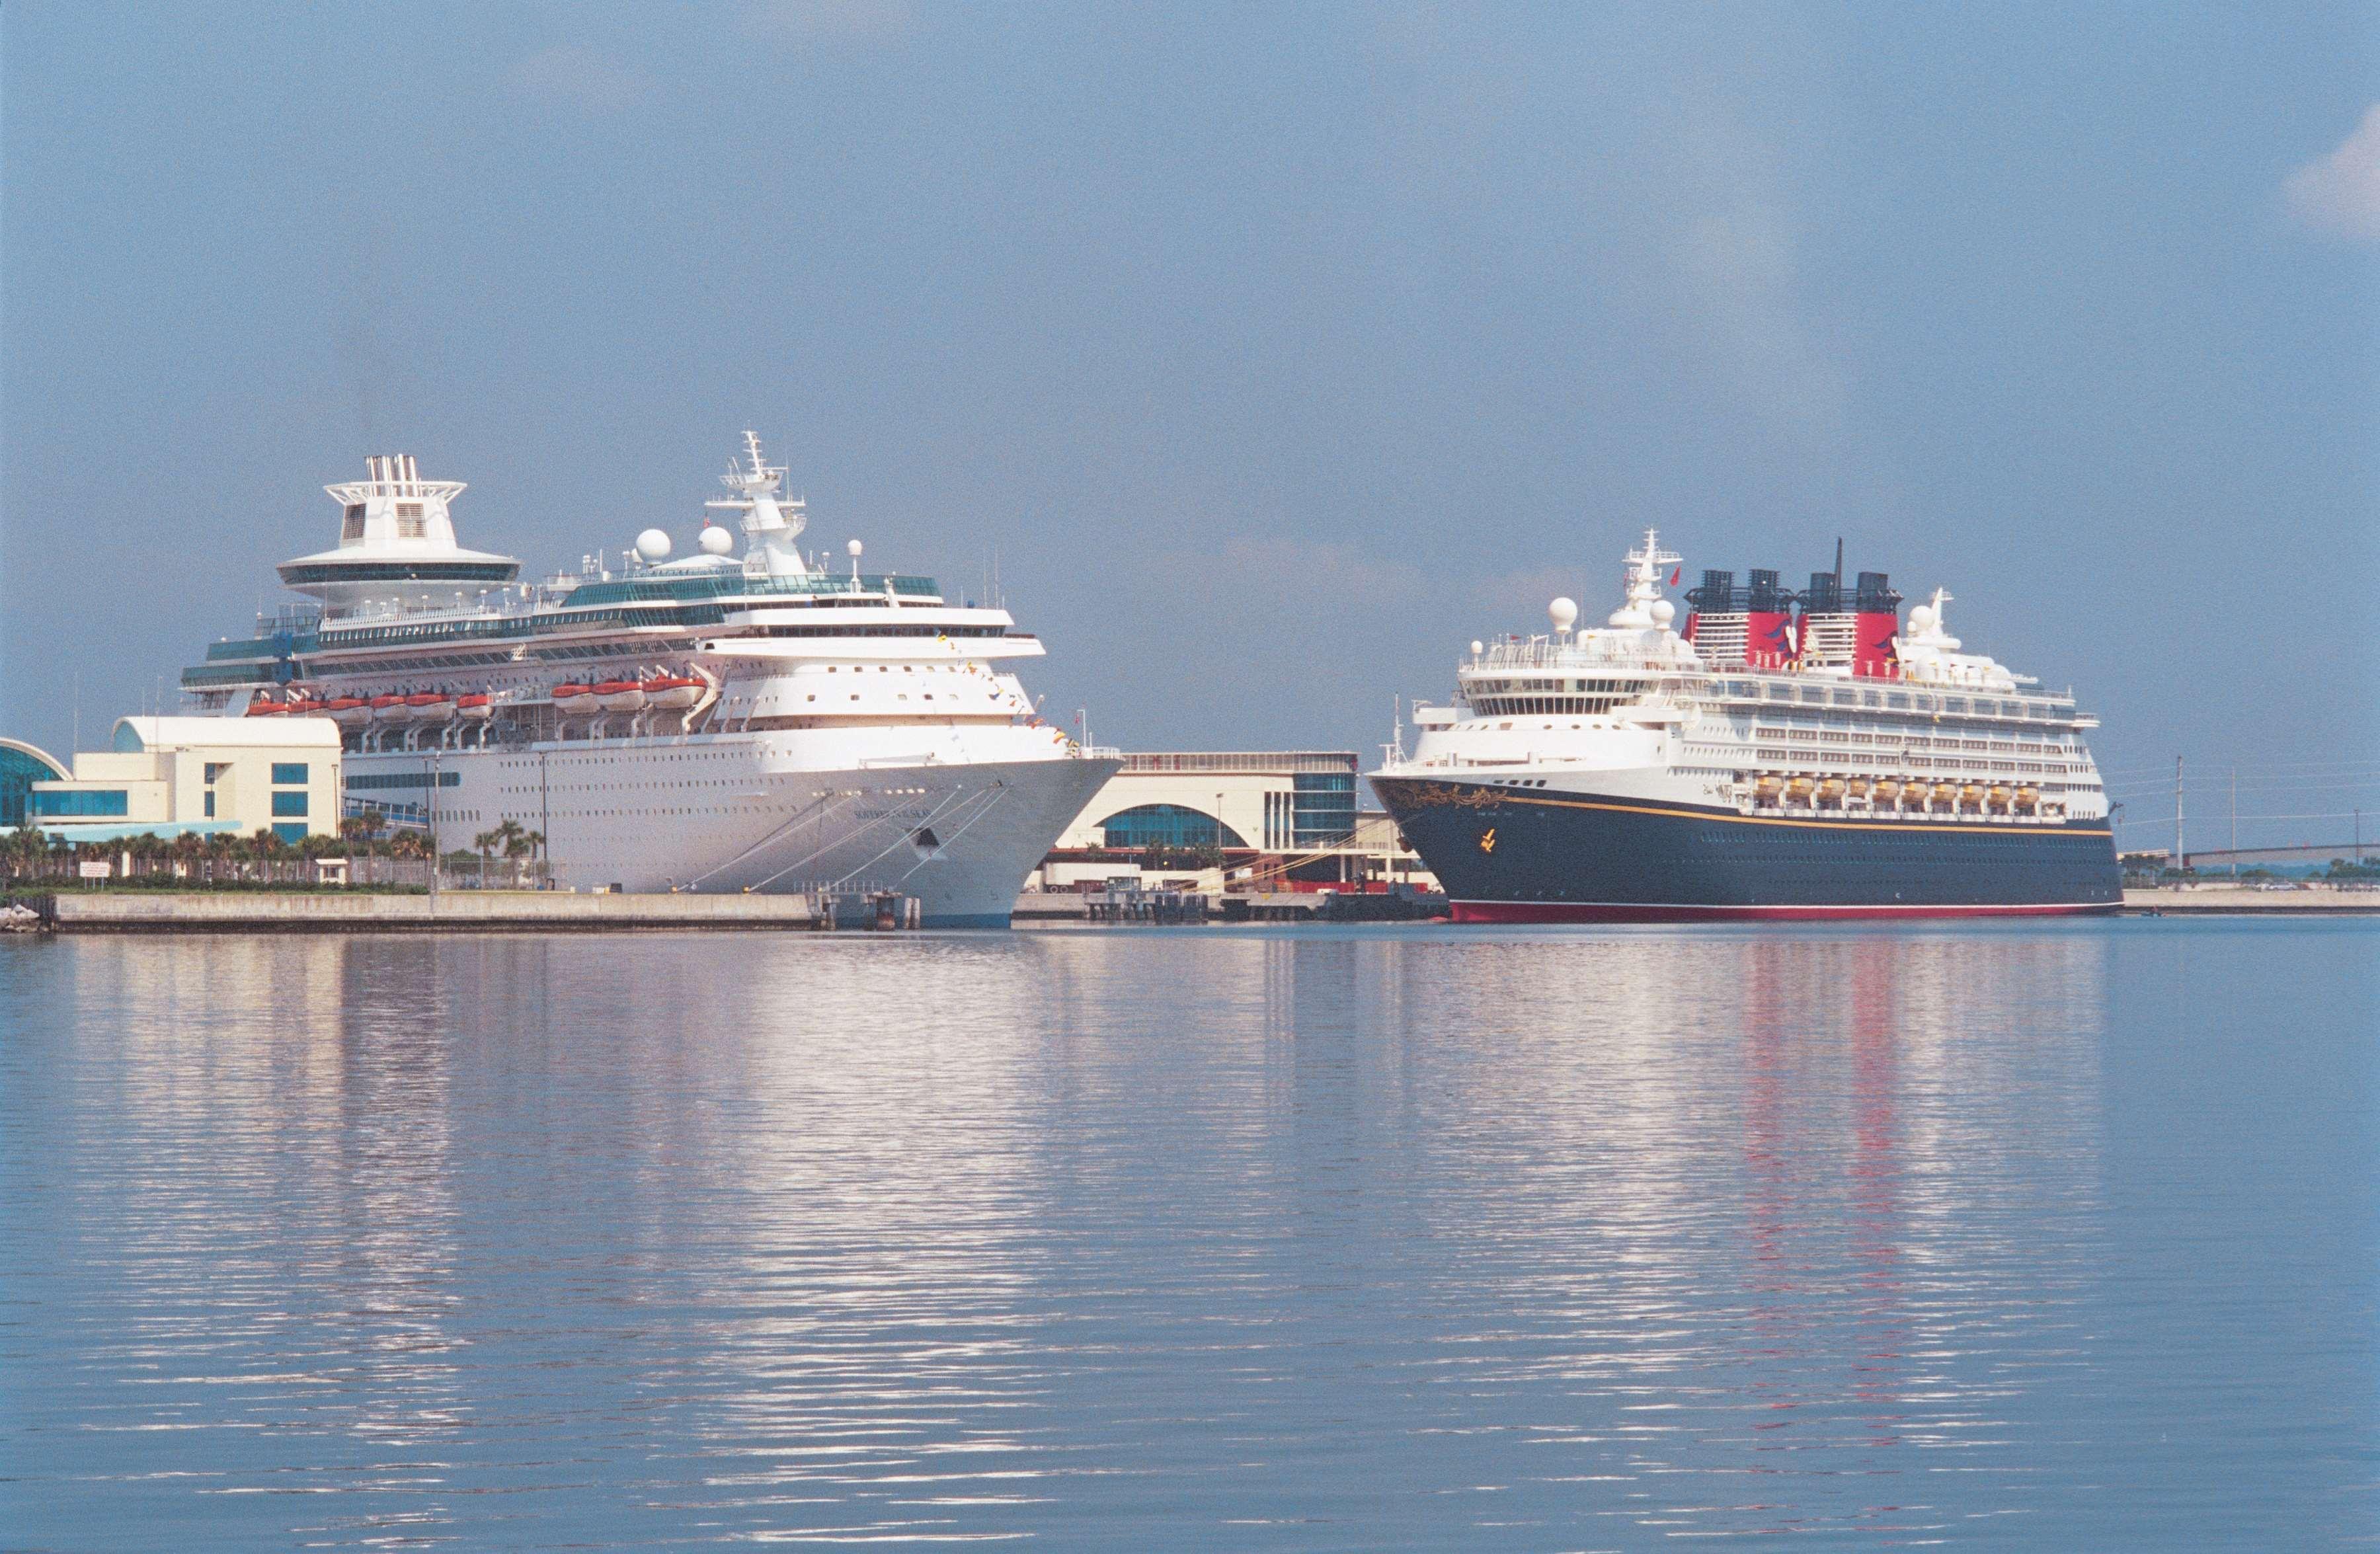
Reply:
x=652 y=544
x=716 y=540
x=853 y=548
x=1564 y=611
x=1921 y=618
x=1664 y=611
x=1478 y=648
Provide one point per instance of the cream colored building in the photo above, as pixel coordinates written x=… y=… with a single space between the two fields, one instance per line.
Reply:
x=203 y=776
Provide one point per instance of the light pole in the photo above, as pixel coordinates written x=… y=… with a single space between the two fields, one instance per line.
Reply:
x=431 y=815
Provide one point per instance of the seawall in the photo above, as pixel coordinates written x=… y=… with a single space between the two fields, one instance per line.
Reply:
x=265 y=911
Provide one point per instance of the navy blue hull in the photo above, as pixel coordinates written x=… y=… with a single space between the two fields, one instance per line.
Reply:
x=1545 y=858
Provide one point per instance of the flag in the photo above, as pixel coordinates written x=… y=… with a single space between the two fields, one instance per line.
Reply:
x=1674 y=574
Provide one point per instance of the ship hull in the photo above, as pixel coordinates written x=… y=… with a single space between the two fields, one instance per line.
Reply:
x=724 y=816
x=1583 y=857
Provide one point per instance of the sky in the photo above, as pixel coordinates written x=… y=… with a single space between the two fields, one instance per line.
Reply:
x=1270 y=352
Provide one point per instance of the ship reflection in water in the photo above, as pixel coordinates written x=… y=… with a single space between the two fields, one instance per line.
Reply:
x=2017 y=1235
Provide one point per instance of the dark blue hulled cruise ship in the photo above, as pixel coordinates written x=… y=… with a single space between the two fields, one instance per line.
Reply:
x=1790 y=753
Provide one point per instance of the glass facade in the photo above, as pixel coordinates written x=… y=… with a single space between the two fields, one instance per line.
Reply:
x=1169 y=825
x=19 y=773
x=288 y=771
x=291 y=832
x=83 y=803
x=1323 y=807
x=289 y=804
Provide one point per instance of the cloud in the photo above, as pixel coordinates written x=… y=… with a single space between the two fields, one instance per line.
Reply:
x=578 y=76
x=1737 y=248
x=844 y=23
x=2340 y=193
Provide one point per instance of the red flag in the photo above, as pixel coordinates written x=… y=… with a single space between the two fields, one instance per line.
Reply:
x=1673 y=576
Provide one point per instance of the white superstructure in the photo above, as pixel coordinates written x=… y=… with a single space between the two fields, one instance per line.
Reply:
x=1821 y=727
x=723 y=721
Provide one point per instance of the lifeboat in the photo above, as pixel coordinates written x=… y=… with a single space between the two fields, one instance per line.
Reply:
x=2027 y=800
x=1765 y=790
x=476 y=706
x=1997 y=799
x=1944 y=796
x=390 y=709
x=1887 y=791
x=432 y=707
x=673 y=693
x=620 y=696
x=574 y=698
x=1971 y=796
x=261 y=708
x=1830 y=792
x=1858 y=788
x=1798 y=791
x=347 y=711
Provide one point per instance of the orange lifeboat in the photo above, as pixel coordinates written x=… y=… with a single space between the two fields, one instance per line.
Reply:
x=476 y=705
x=620 y=696
x=673 y=693
x=430 y=707
x=390 y=709
x=264 y=706
x=347 y=711
x=574 y=698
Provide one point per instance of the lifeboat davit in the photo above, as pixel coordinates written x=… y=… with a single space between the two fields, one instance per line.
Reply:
x=430 y=707
x=620 y=696
x=478 y=705
x=673 y=693
x=347 y=711
x=390 y=709
x=574 y=698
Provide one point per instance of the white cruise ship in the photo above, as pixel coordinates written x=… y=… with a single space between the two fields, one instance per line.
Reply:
x=1787 y=754
x=744 y=718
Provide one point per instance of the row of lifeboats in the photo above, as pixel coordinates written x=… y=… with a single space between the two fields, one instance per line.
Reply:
x=667 y=693
x=355 y=711
x=663 y=693
x=1770 y=791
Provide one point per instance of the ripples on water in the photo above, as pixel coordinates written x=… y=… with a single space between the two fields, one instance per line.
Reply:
x=2037 y=1237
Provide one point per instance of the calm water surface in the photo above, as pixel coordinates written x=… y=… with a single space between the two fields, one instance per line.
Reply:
x=2059 y=1237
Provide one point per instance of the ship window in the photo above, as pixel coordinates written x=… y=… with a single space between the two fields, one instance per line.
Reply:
x=352 y=526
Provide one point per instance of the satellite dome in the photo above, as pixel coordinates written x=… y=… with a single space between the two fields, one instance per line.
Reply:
x=1921 y=618
x=1564 y=613
x=653 y=544
x=1478 y=648
x=1664 y=611
x=716 y=540
x=853 y=548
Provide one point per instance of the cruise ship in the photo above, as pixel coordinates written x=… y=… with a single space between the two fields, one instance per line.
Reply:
x=744 y=717
x=1789 y=753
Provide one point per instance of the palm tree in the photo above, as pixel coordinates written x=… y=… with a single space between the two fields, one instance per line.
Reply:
x=267 y=849
x=485 y=844
x=513 y=841
x=187 y=850
x=535 y=842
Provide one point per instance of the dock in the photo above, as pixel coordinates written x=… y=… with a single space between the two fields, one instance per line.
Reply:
x=467 y=911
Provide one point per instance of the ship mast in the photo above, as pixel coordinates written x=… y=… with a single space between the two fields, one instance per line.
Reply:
x=770 y=525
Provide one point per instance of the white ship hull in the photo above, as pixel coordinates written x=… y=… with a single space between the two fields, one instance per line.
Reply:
x=727 y=813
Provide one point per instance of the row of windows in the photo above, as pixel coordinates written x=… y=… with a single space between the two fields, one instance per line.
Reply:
x=83 y=803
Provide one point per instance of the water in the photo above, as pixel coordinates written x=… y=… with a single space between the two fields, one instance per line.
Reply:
x=2039 y=1237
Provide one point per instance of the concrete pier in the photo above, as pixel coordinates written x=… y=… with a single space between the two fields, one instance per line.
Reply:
x=299 y=912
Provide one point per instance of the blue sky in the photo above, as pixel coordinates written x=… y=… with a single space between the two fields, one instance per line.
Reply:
x=1274 y=351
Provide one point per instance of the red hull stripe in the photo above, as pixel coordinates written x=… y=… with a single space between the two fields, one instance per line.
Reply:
x=1628 y=912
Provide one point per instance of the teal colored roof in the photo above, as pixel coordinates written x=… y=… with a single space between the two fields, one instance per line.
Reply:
x=121 y=831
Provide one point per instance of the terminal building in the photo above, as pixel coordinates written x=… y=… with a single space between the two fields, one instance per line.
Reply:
x=181 y=776
x=1284 y=817
x=1272 y=801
